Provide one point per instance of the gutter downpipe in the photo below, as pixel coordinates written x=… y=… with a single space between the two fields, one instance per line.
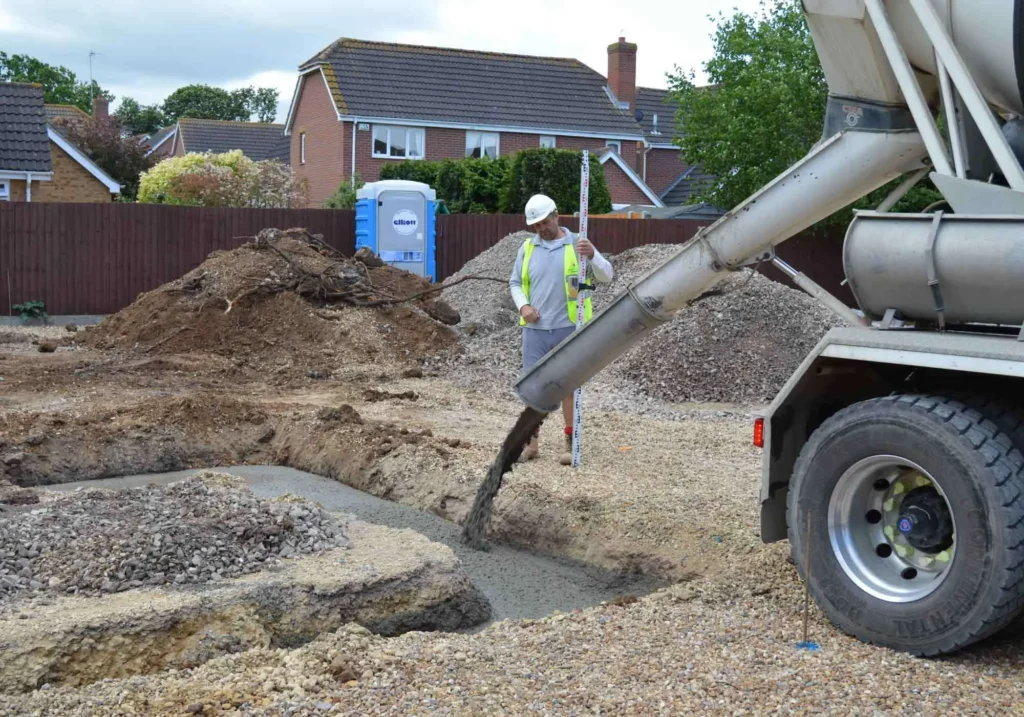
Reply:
x=649 y=148
x=28 y=186
x=355 y=121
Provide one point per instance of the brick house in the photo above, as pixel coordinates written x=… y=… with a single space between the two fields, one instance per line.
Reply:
x=359 y=105
x=257 y=140
x=37 y=162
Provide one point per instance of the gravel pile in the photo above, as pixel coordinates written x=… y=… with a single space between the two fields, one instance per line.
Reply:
x=201 y=529
x=737 y=346
x=487 y=306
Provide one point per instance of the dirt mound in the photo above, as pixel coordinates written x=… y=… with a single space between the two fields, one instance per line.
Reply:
x=285 y=298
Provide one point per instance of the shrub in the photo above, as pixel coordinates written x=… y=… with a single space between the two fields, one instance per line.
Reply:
x=556 y=173
x=229 y=179
x=344 y=196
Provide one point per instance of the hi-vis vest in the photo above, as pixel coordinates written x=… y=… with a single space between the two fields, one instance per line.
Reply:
x=572 y=268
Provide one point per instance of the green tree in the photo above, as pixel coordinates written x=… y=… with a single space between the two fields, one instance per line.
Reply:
x=138 y=119
x=763 y=109
x=110 y=147
x=556 y=173
x=60 y=85
x=206 y=102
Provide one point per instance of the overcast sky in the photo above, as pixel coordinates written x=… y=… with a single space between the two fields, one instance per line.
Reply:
x=146 y=50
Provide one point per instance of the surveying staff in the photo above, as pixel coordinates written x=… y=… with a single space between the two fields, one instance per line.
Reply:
x=543 y=285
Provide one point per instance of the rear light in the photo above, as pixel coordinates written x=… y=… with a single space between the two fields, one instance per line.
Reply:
x=759 y=432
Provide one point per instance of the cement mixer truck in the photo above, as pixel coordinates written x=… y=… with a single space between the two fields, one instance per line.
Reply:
x=893 y=458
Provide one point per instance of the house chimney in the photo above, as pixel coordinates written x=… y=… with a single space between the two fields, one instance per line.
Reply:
x=622 y=71
x=100 y=107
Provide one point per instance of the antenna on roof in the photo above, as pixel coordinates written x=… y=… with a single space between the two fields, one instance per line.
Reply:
x=92 y=93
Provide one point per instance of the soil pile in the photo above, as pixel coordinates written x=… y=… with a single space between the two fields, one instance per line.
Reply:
x=737 y=344
x=197 y=530
x=286 y=296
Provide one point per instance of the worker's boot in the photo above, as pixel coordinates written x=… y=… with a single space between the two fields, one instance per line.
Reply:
x=566 y=458
x=530 y=450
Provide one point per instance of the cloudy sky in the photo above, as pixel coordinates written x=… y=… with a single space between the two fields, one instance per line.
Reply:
x=146 y=50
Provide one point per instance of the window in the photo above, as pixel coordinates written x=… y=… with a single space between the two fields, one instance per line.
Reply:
x=5 y=190
x=614 y=144
x=547 y=141
x=397 y=142
x=302 y=148
x=479 y=144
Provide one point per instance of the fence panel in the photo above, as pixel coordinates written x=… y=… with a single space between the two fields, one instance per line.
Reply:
x=97 y=258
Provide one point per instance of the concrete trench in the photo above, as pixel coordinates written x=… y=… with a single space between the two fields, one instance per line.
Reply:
x=401 y=580
x=518 y=583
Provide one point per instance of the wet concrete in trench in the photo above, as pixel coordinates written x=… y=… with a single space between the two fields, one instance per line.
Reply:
x=518 y=583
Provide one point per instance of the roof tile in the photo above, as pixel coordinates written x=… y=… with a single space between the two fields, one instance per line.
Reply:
x=24 y=143
x=432 y=84
x=257 y=140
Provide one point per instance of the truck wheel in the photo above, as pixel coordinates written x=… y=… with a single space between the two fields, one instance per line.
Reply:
x=916 y=508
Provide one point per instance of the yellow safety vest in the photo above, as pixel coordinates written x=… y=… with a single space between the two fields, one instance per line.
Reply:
x=572 y=268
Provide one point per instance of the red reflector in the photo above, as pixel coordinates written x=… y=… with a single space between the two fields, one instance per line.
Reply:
x=759 y=432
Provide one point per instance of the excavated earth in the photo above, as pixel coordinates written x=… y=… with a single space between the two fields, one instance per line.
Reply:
x=395 y=401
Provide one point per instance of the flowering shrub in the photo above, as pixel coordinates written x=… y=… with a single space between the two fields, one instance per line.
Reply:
x=229 y=179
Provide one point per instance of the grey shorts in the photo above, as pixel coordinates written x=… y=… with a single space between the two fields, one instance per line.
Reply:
x=538 y=342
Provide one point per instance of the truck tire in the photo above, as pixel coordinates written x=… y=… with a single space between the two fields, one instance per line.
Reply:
x=916 y=507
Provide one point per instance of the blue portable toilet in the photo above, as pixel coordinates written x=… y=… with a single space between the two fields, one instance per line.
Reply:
x=395 y=219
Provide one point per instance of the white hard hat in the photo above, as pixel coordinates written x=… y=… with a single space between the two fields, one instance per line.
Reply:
x=538 y=207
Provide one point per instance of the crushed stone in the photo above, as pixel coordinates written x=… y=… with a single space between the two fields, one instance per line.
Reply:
x=204 y=528
x=738 y=345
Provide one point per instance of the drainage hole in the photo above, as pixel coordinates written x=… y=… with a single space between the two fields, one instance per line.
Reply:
x=881 y=484
x=873 y=517
x=884 y=550
x=909 y=574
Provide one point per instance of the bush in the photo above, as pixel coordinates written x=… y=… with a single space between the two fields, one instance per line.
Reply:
x=556 y=173
x=222 y=180
x=344 y=196
x=467 y=186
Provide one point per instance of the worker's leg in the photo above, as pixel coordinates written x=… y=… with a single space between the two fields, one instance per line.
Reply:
x=566 y=458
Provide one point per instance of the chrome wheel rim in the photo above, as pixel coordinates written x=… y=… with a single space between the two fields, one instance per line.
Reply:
x=872 y=519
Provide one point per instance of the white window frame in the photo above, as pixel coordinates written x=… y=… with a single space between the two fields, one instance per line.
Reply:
x=616 y=144
x=302 y=148
x=5 y=190
x=398 y=128
x=548 y=141
x=482 y=135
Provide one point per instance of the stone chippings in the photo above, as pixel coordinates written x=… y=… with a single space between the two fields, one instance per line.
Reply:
x=198 y=530
x=737 y=345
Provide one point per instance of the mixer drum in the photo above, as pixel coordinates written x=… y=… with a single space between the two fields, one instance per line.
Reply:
x=976 y=262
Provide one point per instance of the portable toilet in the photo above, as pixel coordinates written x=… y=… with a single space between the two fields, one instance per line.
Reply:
x=395 y=220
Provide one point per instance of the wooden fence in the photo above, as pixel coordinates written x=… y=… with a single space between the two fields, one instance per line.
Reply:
x=97 y=258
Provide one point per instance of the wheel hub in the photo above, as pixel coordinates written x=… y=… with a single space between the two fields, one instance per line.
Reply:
x=925 y=520
x=891 y=528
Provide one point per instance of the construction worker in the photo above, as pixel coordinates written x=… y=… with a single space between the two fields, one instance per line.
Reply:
x=543 y=287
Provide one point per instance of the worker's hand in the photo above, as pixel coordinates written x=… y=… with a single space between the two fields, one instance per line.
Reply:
x=530 y=314
x=585 y=248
